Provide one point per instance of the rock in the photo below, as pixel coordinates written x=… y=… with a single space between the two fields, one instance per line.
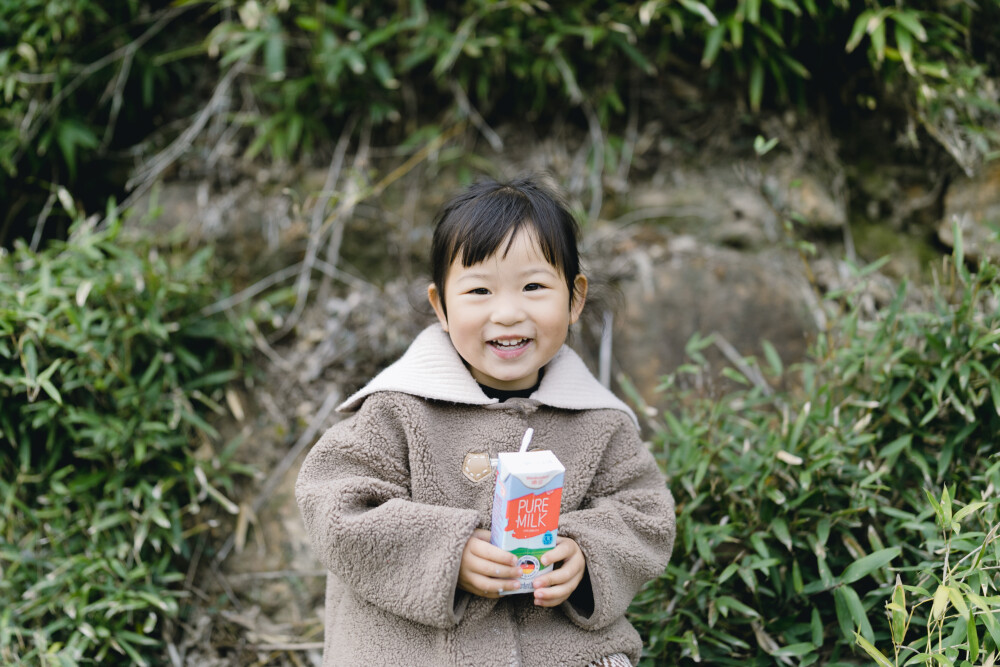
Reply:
x=975 y=204
x=713 y=204
x=744 y=298
x=813 y=201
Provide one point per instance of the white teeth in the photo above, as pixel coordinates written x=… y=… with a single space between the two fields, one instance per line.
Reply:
x=510 y=343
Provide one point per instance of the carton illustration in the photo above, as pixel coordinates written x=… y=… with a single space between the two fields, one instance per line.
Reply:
x=526 y=503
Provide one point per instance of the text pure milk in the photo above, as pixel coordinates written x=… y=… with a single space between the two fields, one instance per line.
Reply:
x=526 y=509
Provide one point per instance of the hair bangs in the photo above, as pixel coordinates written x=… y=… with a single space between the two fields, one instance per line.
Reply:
x=487 y=218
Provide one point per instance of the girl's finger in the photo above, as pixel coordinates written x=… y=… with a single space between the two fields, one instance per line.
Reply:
x=488 y=586
x=555 y=595
x=565 y=549
x=489 y=552
x=491 y=569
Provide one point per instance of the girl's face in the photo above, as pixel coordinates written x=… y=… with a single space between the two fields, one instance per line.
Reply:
x=508 y=316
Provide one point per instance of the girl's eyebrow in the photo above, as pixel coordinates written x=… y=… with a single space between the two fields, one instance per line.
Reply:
x=540 y=268
x=473 y=276
x=531 y=270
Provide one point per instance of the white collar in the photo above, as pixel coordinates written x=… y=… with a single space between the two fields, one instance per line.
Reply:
x=432 y=368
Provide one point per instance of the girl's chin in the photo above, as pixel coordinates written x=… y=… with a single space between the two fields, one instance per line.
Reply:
x=510 y=383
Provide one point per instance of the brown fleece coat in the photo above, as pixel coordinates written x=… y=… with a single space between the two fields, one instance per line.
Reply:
x=389 y=509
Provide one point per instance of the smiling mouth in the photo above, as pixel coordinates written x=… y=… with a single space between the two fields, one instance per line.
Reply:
x=510 y=344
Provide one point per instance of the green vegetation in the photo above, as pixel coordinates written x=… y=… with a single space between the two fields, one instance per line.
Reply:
x=852 y=519
x=108 y=465
x=79 y=80
x=861 y=508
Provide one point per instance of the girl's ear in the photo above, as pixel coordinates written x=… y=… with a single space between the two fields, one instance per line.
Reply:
x=578 y=298
x=437 y=304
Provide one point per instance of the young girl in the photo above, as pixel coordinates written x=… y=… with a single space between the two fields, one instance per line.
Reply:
x=397 y=498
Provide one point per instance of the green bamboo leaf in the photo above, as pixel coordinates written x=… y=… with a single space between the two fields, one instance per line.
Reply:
x=762 y=147
x=859 y=30
x=988 y=617
x=986 y=340
x=756 y=85
x=274 y=55
x=702 y=10
x=904 y=42
x=736 y=32
x=787 y=5
x=936 y=505
x=132 y=653
x=29 y=361
x=911 y=21
x=968 y=509
x=713 y=42
x=995 y=393
x=878 y=41
x=865 y=566
x=780 y=529
x=958 y=602
x=771 y=354
x=800 y=423
x=958 y=248
x=109 y=521
x=159 y=518
x=898 y=615
x=632 y=53
x=870 y=649
x=843 y=612
x=940 y=604
x=858 y=614
x=447 y=59
x=972 y=638
x=794 y=650
x=51 y=390
x=946 y=506
x=727 y=602
x=816 y=627
x=795 y=66
x=772 y=34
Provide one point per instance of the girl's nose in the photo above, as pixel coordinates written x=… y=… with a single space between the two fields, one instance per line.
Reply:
x=507 y=311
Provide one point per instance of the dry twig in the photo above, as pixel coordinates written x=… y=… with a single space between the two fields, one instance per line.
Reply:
x=473 y=115
x=140 y=183
x=278 y=473
x=749 y=372
x=128 y=51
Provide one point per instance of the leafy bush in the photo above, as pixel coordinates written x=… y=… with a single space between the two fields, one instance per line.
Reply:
x=533 y=56
x=107 y=372
x=866 y=501
x=80 y=80
x=79 y=77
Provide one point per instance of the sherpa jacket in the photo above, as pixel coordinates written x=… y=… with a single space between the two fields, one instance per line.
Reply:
x=391 y=495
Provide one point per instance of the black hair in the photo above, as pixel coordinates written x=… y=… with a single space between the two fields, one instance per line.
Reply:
x=476 y=222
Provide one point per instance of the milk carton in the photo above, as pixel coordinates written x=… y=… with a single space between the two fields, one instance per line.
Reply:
x=526 y=503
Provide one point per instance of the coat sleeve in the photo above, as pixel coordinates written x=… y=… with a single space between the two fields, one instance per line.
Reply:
x=625 y=528
x=354 y=494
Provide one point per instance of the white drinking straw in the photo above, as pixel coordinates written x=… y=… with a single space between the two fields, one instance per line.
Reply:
x=527 y=440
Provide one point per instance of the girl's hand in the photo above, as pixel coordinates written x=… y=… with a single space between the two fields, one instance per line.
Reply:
x=486 y=569
x=552 y=589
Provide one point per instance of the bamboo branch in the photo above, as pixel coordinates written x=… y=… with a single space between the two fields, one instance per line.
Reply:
x=50 y=107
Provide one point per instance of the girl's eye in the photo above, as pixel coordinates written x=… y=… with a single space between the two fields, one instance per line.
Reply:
x=531 y=287
x=479 y=290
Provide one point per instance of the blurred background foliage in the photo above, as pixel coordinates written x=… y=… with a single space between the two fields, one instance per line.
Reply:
x=104 y=86
x=110 y=468
x=859 y=508
x=850 y=519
